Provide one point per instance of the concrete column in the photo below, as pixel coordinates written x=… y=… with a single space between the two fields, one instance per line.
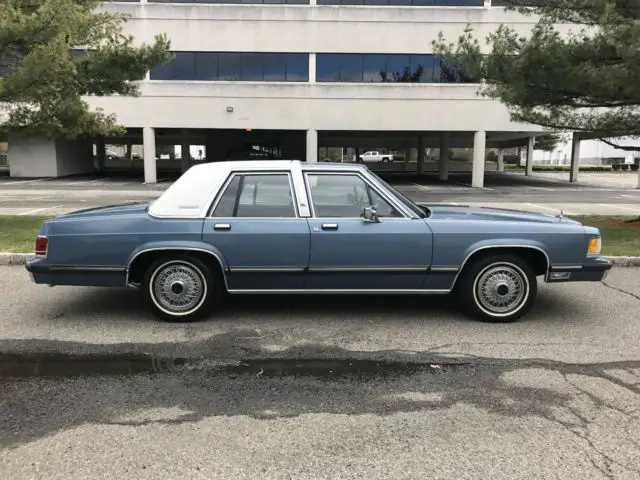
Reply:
x=529 y=166
x=101 y=153
x=501 y=160
x=312 y=67
x=149 y=146
x=443 y=167
x=479 y=153
x=185 y=161
x=421 y=156
x=575 y=158
x=312 y=146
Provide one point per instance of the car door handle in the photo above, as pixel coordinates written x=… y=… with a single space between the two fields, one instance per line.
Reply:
x=222 y=226
x=329 y=226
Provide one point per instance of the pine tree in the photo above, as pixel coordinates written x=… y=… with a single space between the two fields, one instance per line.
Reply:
x=54 y=52
x=586 y=81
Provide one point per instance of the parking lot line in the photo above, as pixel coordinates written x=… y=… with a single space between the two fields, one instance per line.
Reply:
x=554 y=210
x=634 y=210
x=31 y=212
x=14 y=182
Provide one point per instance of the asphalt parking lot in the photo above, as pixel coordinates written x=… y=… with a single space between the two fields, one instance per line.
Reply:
x=580 y=322
x=604 y=194
x=554 y=395
x=321 y=387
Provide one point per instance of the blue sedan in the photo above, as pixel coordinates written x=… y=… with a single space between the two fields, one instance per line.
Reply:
x=290 y=227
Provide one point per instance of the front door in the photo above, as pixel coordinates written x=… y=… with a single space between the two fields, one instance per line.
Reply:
x=347 y=252
x=256 y=226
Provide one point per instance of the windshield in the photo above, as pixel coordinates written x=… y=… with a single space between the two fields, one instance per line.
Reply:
x=422 y=212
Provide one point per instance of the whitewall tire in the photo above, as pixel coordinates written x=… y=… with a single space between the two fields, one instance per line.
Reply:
x=179 y=288
x=499 y=288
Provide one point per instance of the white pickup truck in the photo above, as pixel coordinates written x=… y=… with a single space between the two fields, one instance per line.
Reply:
x=375 y=157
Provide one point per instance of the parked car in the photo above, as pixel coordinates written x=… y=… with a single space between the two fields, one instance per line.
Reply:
x=375 y=157
x=290 y=227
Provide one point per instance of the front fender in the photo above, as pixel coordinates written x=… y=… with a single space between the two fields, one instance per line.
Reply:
x=504 y=243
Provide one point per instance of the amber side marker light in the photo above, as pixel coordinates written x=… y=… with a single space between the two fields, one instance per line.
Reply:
x=595 y=244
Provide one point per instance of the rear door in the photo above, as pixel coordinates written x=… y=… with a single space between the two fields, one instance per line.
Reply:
x=257 y=227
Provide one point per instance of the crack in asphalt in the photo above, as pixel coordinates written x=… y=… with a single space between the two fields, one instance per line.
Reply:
x=270 y=389
x=621 y=290
x=585 y=424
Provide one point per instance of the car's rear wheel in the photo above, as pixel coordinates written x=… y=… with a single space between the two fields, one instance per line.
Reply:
x=499 y=288
x=180 y=287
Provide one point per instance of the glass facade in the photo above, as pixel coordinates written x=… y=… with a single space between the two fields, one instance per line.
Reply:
x=384 y=68
x=235 y=66
x=397 y=3
x=233 y=2
x=402 y=3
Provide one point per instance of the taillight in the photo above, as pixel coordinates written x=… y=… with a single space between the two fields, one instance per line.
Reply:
x=41 y=245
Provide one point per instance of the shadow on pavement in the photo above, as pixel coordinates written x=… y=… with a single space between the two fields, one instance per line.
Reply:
x=267 y=390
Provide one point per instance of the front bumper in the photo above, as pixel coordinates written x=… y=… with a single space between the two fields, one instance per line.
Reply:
x=595 y=271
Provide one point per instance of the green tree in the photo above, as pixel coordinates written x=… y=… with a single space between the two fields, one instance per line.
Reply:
x=547 y=143
x=584 y=81
x=53 y=52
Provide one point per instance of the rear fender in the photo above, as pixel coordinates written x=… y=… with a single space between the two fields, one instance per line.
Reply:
x=178 y=246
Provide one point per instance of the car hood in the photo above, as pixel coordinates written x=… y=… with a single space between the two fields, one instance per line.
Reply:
x=114 y=209
x=461 y=212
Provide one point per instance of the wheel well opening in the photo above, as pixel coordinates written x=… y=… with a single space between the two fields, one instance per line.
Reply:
x=141 y=263
x=536 y=259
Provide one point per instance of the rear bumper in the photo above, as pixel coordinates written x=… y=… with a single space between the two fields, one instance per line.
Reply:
x=595 y=271
x=42 y=272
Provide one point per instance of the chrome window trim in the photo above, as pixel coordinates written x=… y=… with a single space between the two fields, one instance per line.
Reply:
x=367 y=181
x=487 y=247
x=303 y=200
x=235 y=172
x=176 y=249
x=389 y=194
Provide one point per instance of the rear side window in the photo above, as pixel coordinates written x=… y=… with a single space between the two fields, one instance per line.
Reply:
x=257 y=196
x=227 y=201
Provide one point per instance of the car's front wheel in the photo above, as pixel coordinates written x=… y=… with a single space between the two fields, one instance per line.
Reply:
x=499 y=288
x=180 y=288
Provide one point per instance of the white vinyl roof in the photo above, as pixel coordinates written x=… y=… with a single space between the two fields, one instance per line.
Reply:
x=190 y=195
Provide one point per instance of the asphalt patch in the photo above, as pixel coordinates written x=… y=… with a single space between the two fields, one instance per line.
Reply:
x=14 y=366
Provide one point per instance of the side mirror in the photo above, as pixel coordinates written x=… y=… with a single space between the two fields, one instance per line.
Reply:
x=369 y=214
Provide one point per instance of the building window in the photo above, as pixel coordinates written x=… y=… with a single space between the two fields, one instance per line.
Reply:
x=235 y=66
x=233 y=2
x=415 y=3
x=385 y=68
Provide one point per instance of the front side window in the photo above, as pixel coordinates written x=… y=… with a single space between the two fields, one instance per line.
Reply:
x=257 y=196
x=345 y=196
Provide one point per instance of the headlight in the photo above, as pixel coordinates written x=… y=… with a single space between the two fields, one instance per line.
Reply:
x=595 y=244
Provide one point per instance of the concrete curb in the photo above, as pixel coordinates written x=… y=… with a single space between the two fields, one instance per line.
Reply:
x=21 y=259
